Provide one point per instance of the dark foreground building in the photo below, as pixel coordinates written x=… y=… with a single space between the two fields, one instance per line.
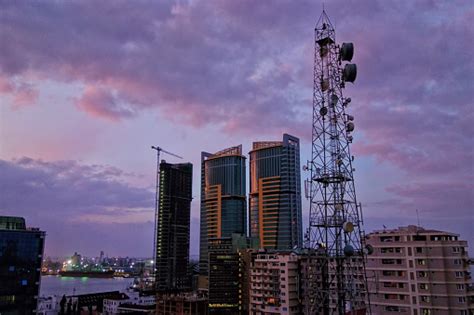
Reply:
x=228 y=290
x=275 y=194
x=172 y=244
x=21 y=253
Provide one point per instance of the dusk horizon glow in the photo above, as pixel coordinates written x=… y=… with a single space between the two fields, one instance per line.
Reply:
x=87 y=87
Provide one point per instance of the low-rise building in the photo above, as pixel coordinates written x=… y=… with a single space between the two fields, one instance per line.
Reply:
x=182 y=303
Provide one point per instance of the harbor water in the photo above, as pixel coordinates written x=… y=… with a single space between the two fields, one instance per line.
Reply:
x=56 y=285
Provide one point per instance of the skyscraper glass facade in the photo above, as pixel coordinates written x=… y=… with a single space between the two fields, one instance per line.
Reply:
x=21 y=254
x=275 y=193
x=223 y=198
x=172 y=244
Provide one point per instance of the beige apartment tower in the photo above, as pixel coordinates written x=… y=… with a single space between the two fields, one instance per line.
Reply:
x=275 y=283
x=416 y=271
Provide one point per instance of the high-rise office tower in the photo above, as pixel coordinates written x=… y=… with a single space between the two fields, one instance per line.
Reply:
x=21 y=254
x=275 y=193
x=172 y=244
x=223 y=200
x=419 y=271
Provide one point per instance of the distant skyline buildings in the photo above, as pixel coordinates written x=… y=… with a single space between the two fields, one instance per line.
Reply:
x=223 y=198
x=173 y=230
x=275 y=194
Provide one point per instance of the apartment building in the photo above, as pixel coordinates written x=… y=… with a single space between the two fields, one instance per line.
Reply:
x=275 y=283
x=419 y=271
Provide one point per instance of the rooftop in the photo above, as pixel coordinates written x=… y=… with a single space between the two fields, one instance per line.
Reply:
x=12 y=223
x=411 y=229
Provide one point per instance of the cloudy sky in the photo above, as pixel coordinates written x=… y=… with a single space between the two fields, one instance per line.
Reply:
x=87 y=86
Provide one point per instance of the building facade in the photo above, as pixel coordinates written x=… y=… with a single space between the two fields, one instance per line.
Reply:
x=21 y=254
x=184 y=303
x=275 y=194
x=275 y=283
x=228 y=274
x=173 y=230
x=223 y=198
x=418 y=271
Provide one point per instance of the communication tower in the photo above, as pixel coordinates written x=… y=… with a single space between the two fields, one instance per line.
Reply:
x=336 y=275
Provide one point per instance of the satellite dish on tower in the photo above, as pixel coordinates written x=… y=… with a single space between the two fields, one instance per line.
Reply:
x=350 y=72
x=346 y=52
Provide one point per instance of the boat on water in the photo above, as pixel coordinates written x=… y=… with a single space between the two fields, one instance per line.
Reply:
x=89 y=274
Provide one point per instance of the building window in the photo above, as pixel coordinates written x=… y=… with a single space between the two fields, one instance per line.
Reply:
x=462 y=299
x=425 y=298
x=456 y=249
x=457 y=261
x=423 y=286
x=421 y=262
x=419 y=237
x=460 y=286
x=388 y=261
x=391 y=308
x=419 y=250
x=458 y=274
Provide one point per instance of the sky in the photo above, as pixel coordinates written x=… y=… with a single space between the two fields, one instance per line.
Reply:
x=86 y=87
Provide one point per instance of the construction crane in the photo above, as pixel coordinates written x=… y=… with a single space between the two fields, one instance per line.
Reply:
x=157 y=200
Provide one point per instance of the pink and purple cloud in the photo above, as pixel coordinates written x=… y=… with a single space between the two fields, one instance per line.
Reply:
x=244 y=68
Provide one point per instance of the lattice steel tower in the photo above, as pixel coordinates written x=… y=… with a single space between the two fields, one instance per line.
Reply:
x=336 y=269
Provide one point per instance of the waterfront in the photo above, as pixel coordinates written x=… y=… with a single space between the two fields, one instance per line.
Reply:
x=56 y=285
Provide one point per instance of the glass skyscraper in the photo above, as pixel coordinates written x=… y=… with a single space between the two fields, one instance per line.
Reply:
x=172 y=244
x=223 y=198
x=275 y=194
x=21 y=254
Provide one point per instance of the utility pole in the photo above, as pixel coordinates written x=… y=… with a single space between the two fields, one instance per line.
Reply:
x=157 y=202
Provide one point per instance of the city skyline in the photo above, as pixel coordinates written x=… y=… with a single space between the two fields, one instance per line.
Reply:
x=84 y=93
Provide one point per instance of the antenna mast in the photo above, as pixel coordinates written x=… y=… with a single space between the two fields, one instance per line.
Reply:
x=335 y=274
